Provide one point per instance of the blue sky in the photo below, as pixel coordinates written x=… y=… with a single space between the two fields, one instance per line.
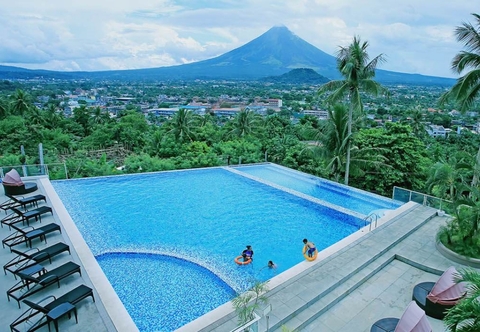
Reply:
x=415 y=36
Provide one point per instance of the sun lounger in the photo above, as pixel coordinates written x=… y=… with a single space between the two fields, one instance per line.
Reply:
x=412 y=320
x=436 y=298
x=26 y=235
x=18 y=216
x=72 y=297
x=22 y=202
x=28 y=258
x=13 y=184
x=22 y=289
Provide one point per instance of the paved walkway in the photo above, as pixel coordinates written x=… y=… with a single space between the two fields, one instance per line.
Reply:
x=346 y=289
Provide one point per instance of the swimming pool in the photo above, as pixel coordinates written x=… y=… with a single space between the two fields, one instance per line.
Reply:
x=343 y=196
x=157 y=235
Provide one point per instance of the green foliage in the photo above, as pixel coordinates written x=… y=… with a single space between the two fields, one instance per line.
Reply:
x=246 y=303
x=404 y=154
x=79 y=166
x=467 y=87
x=462 y=233
x=358 y=72
x=465 y=316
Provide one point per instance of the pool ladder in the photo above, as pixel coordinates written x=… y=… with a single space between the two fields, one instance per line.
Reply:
x=372 y=217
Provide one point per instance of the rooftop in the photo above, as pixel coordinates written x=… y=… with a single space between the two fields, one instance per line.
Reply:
x=365 y=277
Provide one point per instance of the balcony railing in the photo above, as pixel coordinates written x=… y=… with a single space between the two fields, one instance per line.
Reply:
x=54 y=171
x=406 y=195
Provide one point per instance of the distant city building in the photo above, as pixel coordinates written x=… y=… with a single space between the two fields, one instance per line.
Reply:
x=436 y=131
x=226 y=111
x=262 y=110
x=320 y=114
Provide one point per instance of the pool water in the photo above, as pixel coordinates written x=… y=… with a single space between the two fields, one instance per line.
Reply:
x=158 y=283
x=331 y=192
x=176 y=228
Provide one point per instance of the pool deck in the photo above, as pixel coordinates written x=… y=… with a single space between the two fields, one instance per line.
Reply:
x=368 y=276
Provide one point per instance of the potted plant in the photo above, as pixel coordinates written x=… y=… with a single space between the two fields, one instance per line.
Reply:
x=246 y=303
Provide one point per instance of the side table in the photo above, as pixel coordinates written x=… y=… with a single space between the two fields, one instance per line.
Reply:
x=59 y=311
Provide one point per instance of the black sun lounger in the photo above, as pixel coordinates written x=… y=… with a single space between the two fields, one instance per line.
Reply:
x=73 y=297
x=40 y=282
x=28 y=234
x=22 y=202
x=33 y=256
x=18 y=216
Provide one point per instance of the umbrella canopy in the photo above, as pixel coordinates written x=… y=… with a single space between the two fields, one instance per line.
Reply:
x=413 y=320
x=446 y=290
x=12 y=178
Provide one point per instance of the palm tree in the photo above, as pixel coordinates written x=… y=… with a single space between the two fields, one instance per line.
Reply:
x=448 y=176
x=333 y=145
x=465 y=316
x=183 y=124
x=416 y=122
x=466 y=89
x=245 y=123
x=358 y=73
x=21 y=103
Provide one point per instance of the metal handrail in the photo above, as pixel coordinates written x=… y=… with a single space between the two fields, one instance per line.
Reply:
x=370 y=218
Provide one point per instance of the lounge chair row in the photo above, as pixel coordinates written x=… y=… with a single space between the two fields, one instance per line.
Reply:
x=429 y=299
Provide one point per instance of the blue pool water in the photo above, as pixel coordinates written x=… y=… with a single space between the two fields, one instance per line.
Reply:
x=185 y=227
x=334 y=193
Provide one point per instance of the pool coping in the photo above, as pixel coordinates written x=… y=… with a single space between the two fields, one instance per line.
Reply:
x=116 y=311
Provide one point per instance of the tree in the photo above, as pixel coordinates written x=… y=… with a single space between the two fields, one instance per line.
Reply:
x=245 y=123
x=405 y=154
x=21 y=103
x=465 y=316
x=183 y=124
x=332 y=144
x=467 y=87
x=358 y=73
x=446 y=176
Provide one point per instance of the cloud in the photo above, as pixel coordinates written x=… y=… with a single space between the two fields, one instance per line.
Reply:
x=417 y=36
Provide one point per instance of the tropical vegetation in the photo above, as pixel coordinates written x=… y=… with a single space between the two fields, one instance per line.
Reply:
x=358 y=72
x=458 y=178
x=465 y=316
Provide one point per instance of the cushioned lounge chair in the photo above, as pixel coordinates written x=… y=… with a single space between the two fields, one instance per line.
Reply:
x=22 y=202
x=18 y=216
x=412 y=320
x=436 y=298
x=22 y=289
x=13 y=184
x=40 y=311
x=28 y=258
x=27 y=234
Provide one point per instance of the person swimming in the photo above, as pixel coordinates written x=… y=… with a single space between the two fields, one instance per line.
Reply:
x=247 y=254
x=271 y=265
x=311 y=247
